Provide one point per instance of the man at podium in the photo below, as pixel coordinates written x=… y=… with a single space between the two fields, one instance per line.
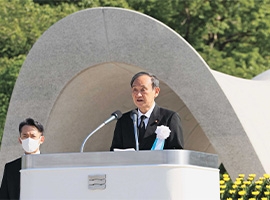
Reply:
x=31 y=136
x=158 y=129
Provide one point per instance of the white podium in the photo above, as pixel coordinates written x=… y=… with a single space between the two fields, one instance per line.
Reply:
x=127 y=175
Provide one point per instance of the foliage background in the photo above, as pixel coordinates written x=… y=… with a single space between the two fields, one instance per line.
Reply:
x=231 y=36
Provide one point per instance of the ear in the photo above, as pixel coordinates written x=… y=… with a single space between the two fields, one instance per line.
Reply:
x=157 y=89
x=42 y=138
x=20 y=141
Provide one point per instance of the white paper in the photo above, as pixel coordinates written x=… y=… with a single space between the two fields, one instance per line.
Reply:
x=128 y=149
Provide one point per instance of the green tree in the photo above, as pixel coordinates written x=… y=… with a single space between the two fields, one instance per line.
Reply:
x=8 y=75
x=231 y=36
x=82 y=4
x=21 y=23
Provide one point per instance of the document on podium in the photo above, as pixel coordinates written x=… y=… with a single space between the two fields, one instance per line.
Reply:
x=128 y=149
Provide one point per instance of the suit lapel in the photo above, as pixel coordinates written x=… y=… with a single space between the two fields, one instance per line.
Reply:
x=153 y=121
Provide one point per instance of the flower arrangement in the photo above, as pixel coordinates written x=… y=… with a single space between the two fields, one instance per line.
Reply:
x=245 y=189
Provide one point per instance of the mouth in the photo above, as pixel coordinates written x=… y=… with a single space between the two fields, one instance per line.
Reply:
x=139 y=100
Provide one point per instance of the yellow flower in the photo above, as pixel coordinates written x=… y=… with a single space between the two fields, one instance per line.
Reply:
x=243 y=186
x=229 y=199
x=242 y=192
x=247 y=182
x=255 y=193
x=252 y=175
x=222 y=191
x=221 y=182
x=268 y=186
x=241 y=175
x=237 y=182
x=251 y=199
x=266 y=193
x=259 y=182
x=239 y=179
x=234 y=186
x=226 y=179
x=263 y=198
x=240 y=199
x=232 y=191
x=258 y=187
x=223 y=186
x=225 y=176
x=250 y=178
x=266 y=175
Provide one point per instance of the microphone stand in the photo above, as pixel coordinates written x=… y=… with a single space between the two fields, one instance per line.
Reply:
x=100 y=126
x=136 y=135
x=134 y=117
x=116 y=115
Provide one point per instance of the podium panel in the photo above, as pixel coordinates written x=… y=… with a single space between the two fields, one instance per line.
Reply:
x=168 y=174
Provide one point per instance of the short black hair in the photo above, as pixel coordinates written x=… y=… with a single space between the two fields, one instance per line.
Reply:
x=154 y=79
x=31 y=122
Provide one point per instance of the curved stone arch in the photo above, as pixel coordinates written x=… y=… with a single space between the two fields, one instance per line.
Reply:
x=111 y=44
x=70 y=107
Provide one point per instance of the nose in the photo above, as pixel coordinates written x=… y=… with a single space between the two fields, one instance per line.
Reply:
x=139 y=94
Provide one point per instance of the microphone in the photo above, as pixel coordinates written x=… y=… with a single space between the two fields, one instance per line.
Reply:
x=115 y=115
x=134 y=117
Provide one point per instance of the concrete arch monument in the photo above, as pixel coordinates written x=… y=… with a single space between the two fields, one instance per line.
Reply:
x=78 y=73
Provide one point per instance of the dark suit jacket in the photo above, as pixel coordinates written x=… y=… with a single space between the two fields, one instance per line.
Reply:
x=124 y=132
x=10 y=187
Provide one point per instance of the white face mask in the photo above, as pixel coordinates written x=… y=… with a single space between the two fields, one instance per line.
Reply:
x=30 y=145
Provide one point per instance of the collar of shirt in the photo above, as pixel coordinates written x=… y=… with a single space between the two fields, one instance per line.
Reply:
x=148 y=114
